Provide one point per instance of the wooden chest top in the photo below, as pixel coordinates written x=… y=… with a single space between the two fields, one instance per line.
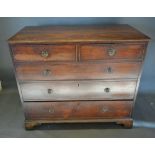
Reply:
x=75 y=34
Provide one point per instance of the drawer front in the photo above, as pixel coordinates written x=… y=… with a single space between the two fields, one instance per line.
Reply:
x=116 y=51
x=77 y=90
x=44 y=52
x=71 y=71
x=77 y=110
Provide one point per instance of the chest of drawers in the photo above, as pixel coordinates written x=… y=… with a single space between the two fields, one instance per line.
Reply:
x=78 y=73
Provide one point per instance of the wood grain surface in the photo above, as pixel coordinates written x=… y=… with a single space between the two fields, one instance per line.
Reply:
x=72 y=71
x=77 y=110
x=88 y=73
x=82 y=34
x=34 y=53
x=78 y=90
x=101 y=51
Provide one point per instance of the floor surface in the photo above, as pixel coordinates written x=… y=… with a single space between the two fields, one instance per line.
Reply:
x=12 y=121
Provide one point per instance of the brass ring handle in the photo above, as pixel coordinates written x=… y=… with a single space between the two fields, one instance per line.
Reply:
x=44 y=53
x=49 y=91
x=111 y=51
x=51 y=110
x=107 y=90
x=104 y=109
x=46 y=72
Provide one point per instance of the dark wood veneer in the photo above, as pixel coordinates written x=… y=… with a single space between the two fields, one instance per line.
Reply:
x=100 y=51
x=81 y=34
x=78 y=73
x=72 y=71
x=77 y=90
x=34 y=52
x=77 y=110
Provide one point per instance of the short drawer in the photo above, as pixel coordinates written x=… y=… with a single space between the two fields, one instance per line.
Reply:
x=77 y=110
x=70 y=71
x=113 y=51
x=44 y=52
x=77 y=90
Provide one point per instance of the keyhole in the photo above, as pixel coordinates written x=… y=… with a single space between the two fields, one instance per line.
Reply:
x=46 y=72
x=109 y=69
x=49 y=91
x=107 y=90
x=78 y=84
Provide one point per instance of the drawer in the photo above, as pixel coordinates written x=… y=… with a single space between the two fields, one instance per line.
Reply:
x=77 y=110
x=69 y=71
x=77 y=90
x=44 y=52
x=113 y=51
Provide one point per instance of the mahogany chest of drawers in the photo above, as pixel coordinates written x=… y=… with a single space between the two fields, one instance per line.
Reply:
x=78 y=73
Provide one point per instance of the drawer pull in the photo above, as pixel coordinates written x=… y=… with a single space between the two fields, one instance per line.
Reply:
x=51 y=110
x=107 y=90
x=49 y=91
x=46 y=72
x=44 y=54
x=104 y=109
x=109 y=70
x=111 y=51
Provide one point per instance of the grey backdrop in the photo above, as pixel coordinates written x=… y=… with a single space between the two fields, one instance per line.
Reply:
x=9 y=26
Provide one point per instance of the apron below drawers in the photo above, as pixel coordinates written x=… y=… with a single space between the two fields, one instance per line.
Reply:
x=77 y=110
x=78 y=90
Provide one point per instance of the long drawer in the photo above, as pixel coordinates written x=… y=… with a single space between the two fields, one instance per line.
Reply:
x=69 y=71
x=44 y=52
x=111 y=51
x=77 y=110
x=78 y=90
